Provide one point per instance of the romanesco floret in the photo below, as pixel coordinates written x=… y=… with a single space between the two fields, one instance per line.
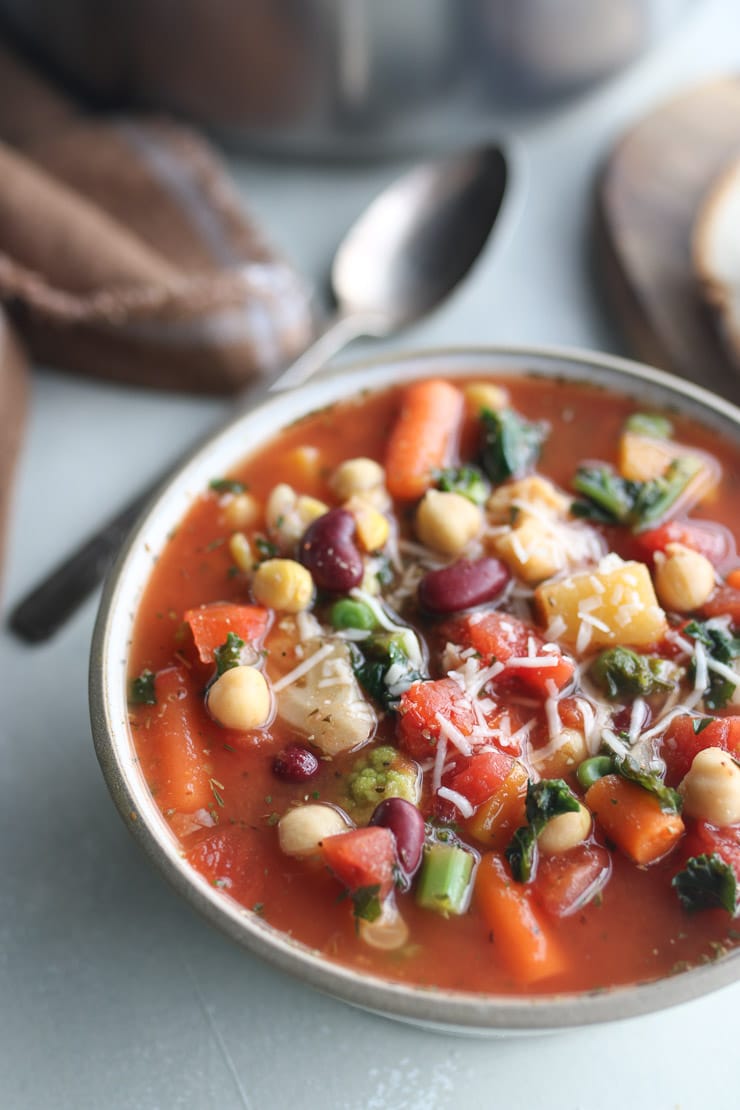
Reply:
x=384 y=773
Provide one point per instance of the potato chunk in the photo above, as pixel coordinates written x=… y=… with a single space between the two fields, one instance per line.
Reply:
x=326 y=704
x=613 y=604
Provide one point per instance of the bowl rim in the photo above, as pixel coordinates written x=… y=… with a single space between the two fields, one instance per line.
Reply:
x=434 y=1007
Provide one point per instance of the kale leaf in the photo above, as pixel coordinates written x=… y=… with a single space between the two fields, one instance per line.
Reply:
x=649 y=424
x=468 y=480
x=545 y=799
x=229 y=654
x=621 y=672
x=706 y=882
x=382 y=656
x=669 y=799
x=723 y=647
x=611 y=499
x=142 y=691
x=511 y=444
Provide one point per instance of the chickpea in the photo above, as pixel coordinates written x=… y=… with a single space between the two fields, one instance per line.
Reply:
x=283 y=584
x=241 y=698
x=242 y=511
x=572 y=750
x=565 y=832
x=289 y=514
x=447 y=522
x=684 y=579
x=711 y=788
x=301 y=830
x=357 y=476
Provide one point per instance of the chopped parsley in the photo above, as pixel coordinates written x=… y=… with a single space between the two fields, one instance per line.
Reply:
x=142 y=691
x=226 y=485
x=229 y=654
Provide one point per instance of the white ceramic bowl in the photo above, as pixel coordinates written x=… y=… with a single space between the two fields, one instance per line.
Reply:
x=112 y=639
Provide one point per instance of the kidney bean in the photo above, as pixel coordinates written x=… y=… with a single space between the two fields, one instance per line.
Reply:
x=462 y=584
x=328 y=550
x=407 y=825
x=295 y=764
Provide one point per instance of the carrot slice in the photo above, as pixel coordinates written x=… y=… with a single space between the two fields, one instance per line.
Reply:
x=496 y=821
x=422 y=438
x=733 y=578
x=633 y=819
x=178 y=772
x=211 y=624
x=521 y=938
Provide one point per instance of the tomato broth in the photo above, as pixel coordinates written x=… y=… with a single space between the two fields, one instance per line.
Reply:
x=523 y=695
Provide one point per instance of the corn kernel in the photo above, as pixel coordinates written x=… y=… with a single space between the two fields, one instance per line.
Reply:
x=242 y=511
x=241 y=552
x=283 y=584
x=485 y=395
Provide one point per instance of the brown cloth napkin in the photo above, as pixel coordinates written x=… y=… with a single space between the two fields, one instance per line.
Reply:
x=124 y=252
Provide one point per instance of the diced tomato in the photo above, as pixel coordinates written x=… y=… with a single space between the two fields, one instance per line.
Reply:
x=500 y=637
x=706 y=838
x=176 y=766
x=228 y=857
x=709 y=539
x=362 y=858
x=566 y=882
x=418 y=728
x=725 y=601
x=482 y=775
x=211 y=624
x=685 y=737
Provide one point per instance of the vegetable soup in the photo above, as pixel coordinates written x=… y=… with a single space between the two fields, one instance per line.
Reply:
x=443 y=682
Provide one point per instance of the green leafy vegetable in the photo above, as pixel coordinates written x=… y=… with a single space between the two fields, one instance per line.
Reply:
x=226 y=485
x=700 y=723
x=142 y=690
x=669 y=799
x=383 y=668
x=366 y=903
x=706 y=882
x=611 y=499
x=722 y=647
x=621 y=672
x=649 y=424
x=266 y=548
x=511 y=444
x=229 y=654
x=469 y=481
x=545 y=799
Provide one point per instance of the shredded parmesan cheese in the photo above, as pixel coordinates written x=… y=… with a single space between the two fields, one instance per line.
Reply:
x=302 y=668
x=459 y=800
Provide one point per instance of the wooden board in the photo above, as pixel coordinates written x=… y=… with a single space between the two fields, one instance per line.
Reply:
x=646 y=200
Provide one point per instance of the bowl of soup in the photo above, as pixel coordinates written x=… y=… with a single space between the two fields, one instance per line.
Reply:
x=422 y=683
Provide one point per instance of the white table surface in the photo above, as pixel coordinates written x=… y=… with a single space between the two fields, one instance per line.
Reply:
x=113 y=994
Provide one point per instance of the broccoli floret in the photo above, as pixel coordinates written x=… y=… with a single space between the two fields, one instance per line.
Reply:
x=384 y=773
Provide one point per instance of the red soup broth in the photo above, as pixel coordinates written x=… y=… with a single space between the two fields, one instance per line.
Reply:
x=219 y=792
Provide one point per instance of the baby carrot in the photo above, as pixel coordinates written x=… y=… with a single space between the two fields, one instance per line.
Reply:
x=733 y=578
x=178 y=771
x=523 y=942
x=422 y=438
x=633 y=819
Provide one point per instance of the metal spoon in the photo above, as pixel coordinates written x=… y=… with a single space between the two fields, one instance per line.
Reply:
x=405 y=254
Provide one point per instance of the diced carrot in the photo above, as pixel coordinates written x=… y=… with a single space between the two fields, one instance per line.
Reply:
x=501 y=815
x=522 y=941
x=500 y=637
x=686 y=736
x=211 y=624
x=733 y=578
x=418 y=727
x=566 y=882
x=423 y=437
x=178 y=773
x=633 y=819
x=709 y=539
x=362 y=858
x=482 y=775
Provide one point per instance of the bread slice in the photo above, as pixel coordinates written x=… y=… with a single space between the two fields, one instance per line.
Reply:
x=715 y=252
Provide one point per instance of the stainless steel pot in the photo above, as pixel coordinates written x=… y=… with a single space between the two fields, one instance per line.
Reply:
x=340 y=76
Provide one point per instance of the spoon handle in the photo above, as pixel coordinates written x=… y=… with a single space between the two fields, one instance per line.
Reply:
x=48 y=606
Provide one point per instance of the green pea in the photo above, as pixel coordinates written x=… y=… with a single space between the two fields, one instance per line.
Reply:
x=593 y=769
x=348 y=613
